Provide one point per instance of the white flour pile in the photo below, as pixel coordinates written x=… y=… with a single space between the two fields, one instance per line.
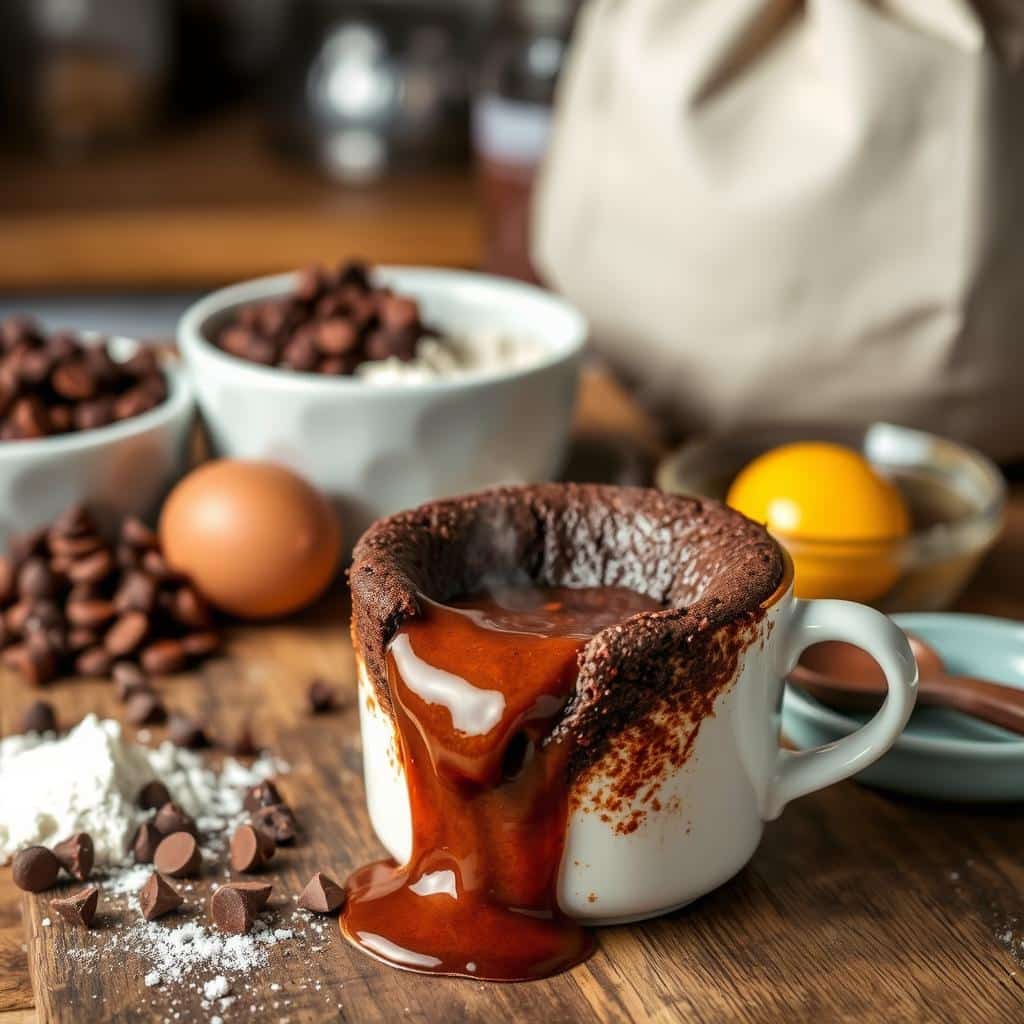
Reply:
x=479 y=351
x=88 y=781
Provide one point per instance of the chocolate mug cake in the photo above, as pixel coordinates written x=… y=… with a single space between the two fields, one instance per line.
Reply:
x=569 y=702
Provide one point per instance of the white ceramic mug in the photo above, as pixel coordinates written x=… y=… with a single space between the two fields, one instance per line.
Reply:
x=709 y=814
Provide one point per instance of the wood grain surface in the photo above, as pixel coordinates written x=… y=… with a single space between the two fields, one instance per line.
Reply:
x=857 y=906
x=212 y=204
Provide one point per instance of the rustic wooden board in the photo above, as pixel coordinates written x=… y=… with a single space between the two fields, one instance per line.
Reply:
x=857 y=905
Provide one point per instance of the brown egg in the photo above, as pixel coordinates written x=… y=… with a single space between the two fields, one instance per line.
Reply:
x=256 y=539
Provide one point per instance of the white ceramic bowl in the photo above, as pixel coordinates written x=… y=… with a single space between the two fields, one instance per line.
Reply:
x=375 y=449
x=125 y=468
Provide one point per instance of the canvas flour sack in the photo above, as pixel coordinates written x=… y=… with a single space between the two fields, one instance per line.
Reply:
x=779 y=212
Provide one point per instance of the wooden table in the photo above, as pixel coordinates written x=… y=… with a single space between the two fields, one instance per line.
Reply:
x=214 y=203
x=857 y=906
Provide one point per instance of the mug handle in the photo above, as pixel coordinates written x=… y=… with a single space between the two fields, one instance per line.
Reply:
x=798 y=773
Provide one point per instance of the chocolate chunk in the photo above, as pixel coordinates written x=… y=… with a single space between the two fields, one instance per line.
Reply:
x=158 y=897
x=35 y=869
x=178 y=856
x=74 y=547
x=74 y=521
x=186 y=732
x=277 y=821
x=92 y=568
x=258 y=893
x=250 y=849
x=129 y=680
x=153 y=796
x=201 y=645
x=171 y=818
x=79 y=639
x=76 y=855
x=7 y=579
x=37 y=666
x=232 y=910
x=145 y=708
x=79 y=908
x=163 y=657
x=190 y=609
x=136 y=593
x=322 y=895
x=144 y=843
x=136 y=533
x=35 y=579
x=263 y=794
x=126 y=633
x=322 y=697
x=93 y=661
x=74 y=380
x=91 y=613
x=39 y=716
x=98 y=412
x=335 y=337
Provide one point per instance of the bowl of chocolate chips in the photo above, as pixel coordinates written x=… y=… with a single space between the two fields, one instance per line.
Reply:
x=387 y=386
x=85 y=419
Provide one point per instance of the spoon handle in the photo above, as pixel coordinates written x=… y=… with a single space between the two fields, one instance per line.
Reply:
x=991 y=702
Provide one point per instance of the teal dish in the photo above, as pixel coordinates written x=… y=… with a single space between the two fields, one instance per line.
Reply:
x=942 y=755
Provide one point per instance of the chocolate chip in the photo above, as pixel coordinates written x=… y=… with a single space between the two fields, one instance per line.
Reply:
x=79 y=639
x=171 y=818
x=35 y=579
x=178 y=856
x=322 y=697
x=136 y=533
x=136 y=593
x=263 y=794
x=35 y=869
x=145 y=708
x=74 y=546
x=250 y=849
x=93 y=661
x=258 y=893
x=335 y=337
x=277 y=821
x=186 y=732
x=91 y=613
x=35 y=665
x=39 y=716
x=158 y=897
x=129 y=680
x=76 y=855
x=92 y=568
x=126 y=633
x=322 y=895
x=232 y=910
x=201 y=645
x=163 y=657
x=190 y=609
x=74 y=521
x=79 y=908
x=145 y=841
x=98 y=412
x=153 y=796
x=73 y=380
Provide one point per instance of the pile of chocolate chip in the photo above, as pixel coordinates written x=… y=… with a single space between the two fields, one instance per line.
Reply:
x=36 y=869
x=56 y=384
x=72 y=602
x=330 y=323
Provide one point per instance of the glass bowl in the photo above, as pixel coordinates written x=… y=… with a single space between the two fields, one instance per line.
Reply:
x=956 y=498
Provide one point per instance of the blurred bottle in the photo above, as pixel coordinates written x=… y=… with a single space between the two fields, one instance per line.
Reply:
x=82 y=72
x=512 y=120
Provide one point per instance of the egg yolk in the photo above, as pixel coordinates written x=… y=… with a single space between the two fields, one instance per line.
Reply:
x=818 y=492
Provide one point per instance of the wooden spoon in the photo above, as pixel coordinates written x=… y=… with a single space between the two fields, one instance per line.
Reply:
x=845 y=677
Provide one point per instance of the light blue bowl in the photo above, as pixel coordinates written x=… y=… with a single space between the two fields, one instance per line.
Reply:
x=943 y=755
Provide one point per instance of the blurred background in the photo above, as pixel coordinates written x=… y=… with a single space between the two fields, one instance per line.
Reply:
x=155 y=148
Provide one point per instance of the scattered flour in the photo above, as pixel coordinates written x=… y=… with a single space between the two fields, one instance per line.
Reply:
x=88 y=780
